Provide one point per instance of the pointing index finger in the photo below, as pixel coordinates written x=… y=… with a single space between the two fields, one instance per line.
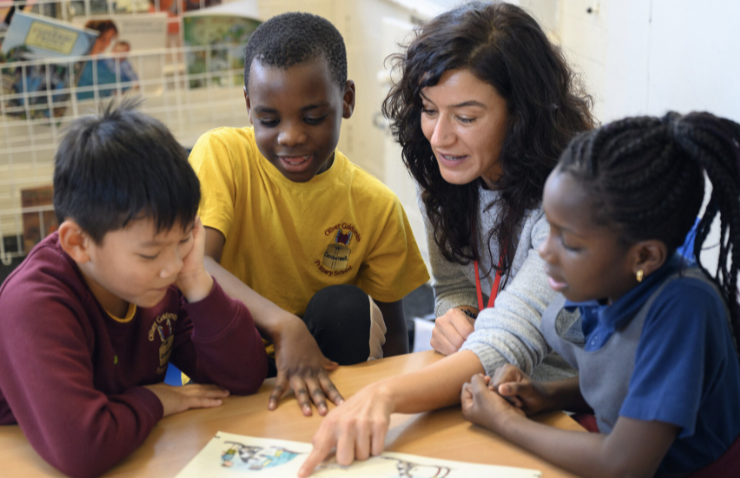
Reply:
x=317 y=455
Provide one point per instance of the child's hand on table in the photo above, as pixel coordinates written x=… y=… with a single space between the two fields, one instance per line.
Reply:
x=483 y=406
x=178 y=399
x=300 y=364
x=519 y=389
x=302 y=367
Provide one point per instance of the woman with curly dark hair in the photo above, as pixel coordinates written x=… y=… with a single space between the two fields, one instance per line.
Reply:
x=483 y=108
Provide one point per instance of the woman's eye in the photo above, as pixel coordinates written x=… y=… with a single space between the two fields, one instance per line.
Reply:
x=149 y=258
x=465 y=120
x=428 y=112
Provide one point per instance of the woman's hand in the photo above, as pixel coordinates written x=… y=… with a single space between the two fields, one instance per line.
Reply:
x=451 y=330
x=357 y=428
x=483 y=406
x=520 y=390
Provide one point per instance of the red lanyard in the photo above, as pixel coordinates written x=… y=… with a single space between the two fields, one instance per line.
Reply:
x=494 y=289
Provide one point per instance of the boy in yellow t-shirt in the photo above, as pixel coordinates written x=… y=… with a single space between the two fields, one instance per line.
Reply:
x=296 y=230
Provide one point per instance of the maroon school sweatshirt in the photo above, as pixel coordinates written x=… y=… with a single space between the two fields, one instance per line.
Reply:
x=71 y=376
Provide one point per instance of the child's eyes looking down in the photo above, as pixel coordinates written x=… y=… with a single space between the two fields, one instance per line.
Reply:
x=567 y=247
x=310 y=120
x=567 y=244
x=182 y=242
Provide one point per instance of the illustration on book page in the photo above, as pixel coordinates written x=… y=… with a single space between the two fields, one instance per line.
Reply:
x=234 y=456
x=239 y=456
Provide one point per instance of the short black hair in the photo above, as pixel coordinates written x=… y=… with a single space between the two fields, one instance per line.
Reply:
x=122 y=165
x=293 y=38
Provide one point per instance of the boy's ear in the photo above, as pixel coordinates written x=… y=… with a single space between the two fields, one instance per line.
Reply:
x=348 y=106
x=74 y=241
x=649 y=256
x=249 y=106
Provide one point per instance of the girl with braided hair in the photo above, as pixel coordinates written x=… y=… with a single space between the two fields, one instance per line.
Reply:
x=657 y=356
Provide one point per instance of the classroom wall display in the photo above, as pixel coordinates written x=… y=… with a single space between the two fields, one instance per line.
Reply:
x=228 y=455
x=138 y=32
x=216 y=38
x=41 y=89
x=118 y=69
x=44 y=37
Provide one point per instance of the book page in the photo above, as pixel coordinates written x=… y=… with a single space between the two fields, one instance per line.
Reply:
x=228 y=455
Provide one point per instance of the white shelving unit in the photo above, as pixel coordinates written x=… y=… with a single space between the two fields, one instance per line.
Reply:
x=32 y=122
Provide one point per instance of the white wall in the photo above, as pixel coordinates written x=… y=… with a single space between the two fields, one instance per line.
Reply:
x=694 y=57
x=651 y=56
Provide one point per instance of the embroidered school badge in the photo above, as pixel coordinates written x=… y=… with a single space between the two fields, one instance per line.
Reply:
x=163 y=326
x=336 y=257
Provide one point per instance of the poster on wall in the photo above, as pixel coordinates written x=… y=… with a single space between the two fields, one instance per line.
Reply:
x=41 y=89
x=215 y=39
x=117 y=69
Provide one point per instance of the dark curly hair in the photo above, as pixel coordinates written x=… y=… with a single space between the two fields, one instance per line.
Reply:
x=646 y=178
x=293 y=38
x=505 y=47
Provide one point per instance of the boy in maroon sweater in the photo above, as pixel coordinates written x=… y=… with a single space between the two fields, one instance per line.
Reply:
x=91 y=318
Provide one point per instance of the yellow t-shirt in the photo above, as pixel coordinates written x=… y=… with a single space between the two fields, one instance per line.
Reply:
x=288 y=240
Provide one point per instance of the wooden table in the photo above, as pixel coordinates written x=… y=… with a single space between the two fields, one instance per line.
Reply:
x=175 y=440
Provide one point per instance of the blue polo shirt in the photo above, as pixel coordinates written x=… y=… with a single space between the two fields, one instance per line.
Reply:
x=686 y=368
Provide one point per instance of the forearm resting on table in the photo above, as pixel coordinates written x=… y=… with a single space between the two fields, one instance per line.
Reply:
x=432 y=387
x=634 y=448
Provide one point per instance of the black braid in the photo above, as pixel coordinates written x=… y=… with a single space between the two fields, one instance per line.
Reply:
x=646 y=176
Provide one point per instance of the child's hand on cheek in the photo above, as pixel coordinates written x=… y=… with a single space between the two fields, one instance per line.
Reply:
x=193 y=280
x=483 y=406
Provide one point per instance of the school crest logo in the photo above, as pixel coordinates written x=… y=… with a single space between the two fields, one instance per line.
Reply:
x=336 y=257
x=163 y=327
x=335 y=260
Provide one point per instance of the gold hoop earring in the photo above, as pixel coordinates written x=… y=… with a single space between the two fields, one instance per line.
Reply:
x=639 y=274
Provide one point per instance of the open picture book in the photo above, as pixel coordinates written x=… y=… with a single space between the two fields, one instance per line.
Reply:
x=229 y=455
